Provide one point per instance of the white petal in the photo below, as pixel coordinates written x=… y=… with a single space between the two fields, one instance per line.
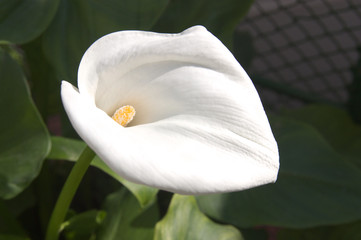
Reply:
x=117 y=66
x=200 y=126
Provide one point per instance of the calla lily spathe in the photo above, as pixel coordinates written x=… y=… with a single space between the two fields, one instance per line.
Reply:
x=199 y=126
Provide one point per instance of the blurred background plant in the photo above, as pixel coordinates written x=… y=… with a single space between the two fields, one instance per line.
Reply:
x=304 y=60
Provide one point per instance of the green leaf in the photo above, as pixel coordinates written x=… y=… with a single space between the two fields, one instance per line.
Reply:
x=24 y=140
x=83 y=226
x=70 y=149
x=24 y=201
x=79 y=23
x=316 y=186
x=44 y=84
x=350 y=231
x=12 y=237
x=184 y=221
x=303 y=234
x=22 y=21
x=126 y=219
x=256 y=233
x=335 y=125
x=66 y=149
x=219 y=17
x=8 y=223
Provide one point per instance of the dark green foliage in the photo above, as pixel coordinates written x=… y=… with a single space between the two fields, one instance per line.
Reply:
x=24 y=140
x=317 y=195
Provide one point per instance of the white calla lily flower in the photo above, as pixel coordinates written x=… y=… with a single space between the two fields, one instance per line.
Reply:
x=199 y=126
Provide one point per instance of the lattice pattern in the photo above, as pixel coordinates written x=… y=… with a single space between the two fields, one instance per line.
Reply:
x=308 y=45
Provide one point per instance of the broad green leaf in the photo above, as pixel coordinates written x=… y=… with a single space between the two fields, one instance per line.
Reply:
x=21 y=203
x=350 y=231
x=126 y=219
x=219 y=17
x=304 y=234
x=83 y=226
x=44 y=84
x=8 y=223
x=12 y=237
x=24 y=140
x=336 y=126
x=144 y=194
x=316 y=186
x=256 y=233
x=70 y=149
x=184 y=221
x=79 y=23
x=22 y=21
x=66 y=148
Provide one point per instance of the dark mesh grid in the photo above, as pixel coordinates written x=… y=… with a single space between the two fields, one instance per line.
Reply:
x=307 y=47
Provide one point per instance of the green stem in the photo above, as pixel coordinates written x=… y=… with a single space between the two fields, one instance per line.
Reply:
x=67 y=193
